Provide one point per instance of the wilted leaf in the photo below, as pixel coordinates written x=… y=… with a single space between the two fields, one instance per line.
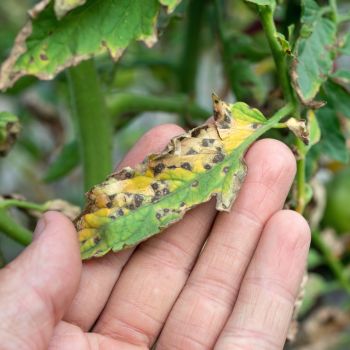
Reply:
x=299 y=129
x=45 y=46
x=9 y=130
x=314 y=53
x=134 y=204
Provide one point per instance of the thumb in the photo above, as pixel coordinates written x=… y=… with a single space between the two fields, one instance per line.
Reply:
x=38 y=286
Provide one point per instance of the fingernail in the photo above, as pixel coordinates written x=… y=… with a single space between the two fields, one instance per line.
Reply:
x=40 y=228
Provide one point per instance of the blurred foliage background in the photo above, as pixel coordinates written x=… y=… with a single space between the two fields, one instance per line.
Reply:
x=203 y=46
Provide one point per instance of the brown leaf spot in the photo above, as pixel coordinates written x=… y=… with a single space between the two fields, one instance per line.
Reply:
x=186 y=166
x=218 y=158
x=43 y=57
x=158 y=168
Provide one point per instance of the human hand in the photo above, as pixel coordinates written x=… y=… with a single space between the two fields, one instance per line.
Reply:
x=235 y=292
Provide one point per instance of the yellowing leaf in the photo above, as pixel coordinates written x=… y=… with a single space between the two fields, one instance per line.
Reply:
x=134 y=204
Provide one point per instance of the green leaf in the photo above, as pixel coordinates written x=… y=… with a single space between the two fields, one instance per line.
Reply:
x=314 y=52
x=333 y=142
x=338 y=97
x=135 y=204
x=9 y=130
x=67 y=160
x=46 y=45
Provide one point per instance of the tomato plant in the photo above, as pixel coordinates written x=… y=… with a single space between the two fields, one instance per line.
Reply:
x=79 y=78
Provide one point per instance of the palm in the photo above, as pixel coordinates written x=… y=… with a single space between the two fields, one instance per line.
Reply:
x=236 y=290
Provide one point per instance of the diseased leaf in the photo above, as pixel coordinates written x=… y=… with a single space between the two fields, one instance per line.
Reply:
x=134 y=204
x=299 y=129
x=9 y=130
x=314 y=53
x=45 y=46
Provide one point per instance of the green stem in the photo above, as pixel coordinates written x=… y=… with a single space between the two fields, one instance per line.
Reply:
x=334 y=264
x=136 y=103
x=279 y=57
x=334 y=8
x=266 y=16
x=12 y=229
x=7 y=203
x=192 y=45
x=92 y=122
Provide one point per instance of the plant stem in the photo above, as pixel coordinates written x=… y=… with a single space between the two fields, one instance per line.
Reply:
x=130 y=102
x=192 y=45
x=7 y=203
x=279 y=57
x=334 y=264
x=278 y=54
x=92 y=123
x=334 y=8
x=13 y=230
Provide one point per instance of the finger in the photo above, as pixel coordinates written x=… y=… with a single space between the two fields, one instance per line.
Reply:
x=153 y=279
x=265 y=303
x=208 y=297
x=100 y=275
x=68 y=336
x=37 y=287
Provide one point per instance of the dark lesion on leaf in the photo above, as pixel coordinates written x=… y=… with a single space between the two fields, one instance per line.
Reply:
x=97 y=239
x=218 y=158
x=207 y=142
x=207 y=166
x=43 y=57
x=191 y=152
x=158 y=168
x=195 y=183
x=186 y=165
x=138 y=199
